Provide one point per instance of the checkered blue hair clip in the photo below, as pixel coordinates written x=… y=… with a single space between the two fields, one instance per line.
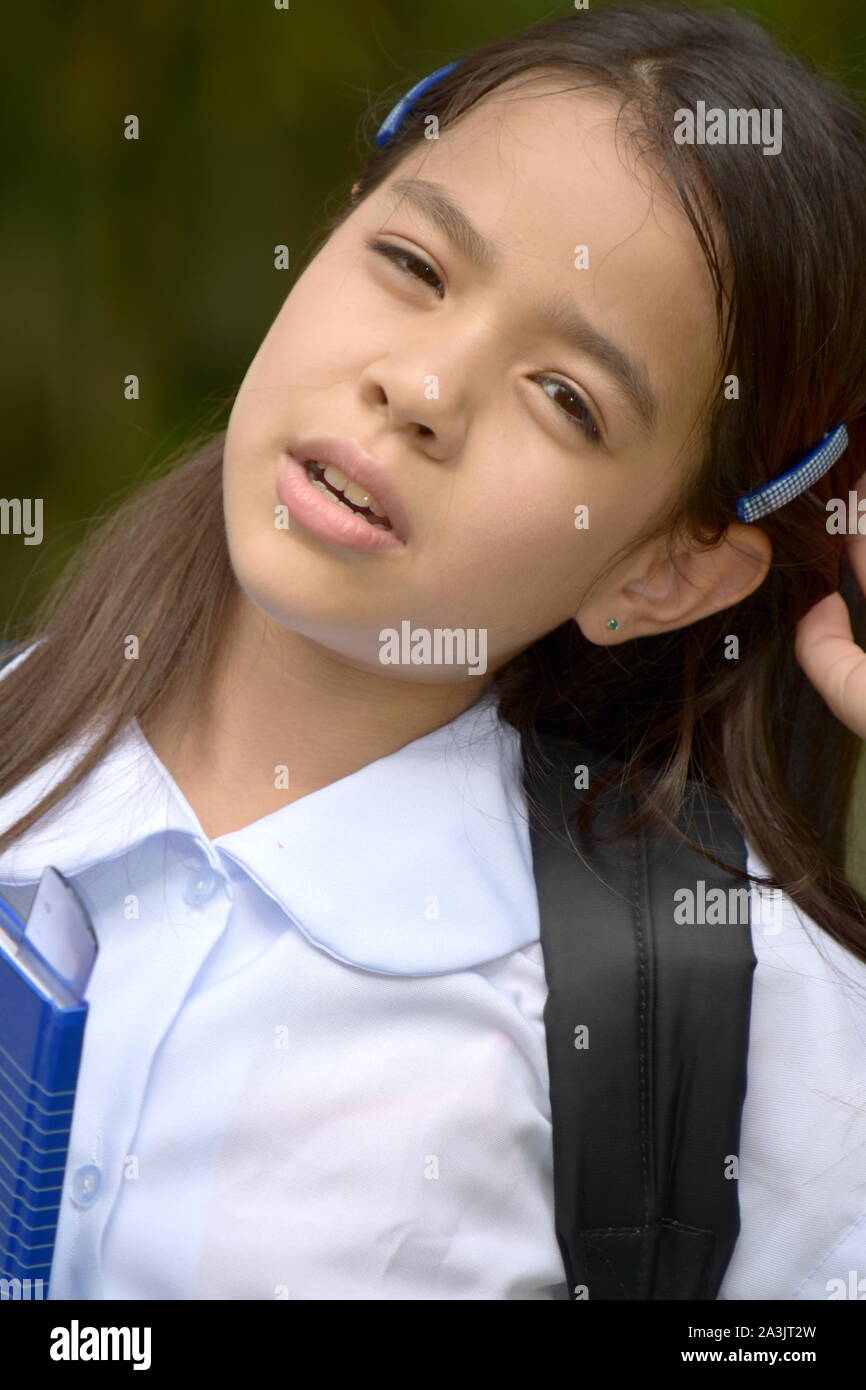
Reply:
x=796 y=479
x=389 y=127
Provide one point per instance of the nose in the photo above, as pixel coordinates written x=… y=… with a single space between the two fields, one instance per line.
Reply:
x=430 y=382
x=414 y=407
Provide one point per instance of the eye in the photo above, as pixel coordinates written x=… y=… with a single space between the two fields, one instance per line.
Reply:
x=406 y=259
x=582 y=417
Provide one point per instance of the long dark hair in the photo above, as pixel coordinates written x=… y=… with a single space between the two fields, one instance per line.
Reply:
x=670 y=709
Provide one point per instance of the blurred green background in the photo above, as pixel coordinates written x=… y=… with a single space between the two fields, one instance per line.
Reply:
x=155 y=256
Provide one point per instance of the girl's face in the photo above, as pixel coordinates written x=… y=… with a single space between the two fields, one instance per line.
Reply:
x=494 y=424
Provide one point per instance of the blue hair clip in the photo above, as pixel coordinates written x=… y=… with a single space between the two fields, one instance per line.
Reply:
x=795 y=479
x=389 y=127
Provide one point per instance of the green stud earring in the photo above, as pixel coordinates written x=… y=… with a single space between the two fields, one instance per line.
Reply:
x=612 y=623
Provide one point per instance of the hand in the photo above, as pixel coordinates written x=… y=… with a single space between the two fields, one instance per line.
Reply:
x=825 y=648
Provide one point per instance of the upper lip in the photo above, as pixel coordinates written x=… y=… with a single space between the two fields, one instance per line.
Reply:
x=346 y=455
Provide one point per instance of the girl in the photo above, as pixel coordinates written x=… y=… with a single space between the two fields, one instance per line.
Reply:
x=494 y=471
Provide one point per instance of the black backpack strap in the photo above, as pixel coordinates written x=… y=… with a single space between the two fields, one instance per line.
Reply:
x=647 y=1026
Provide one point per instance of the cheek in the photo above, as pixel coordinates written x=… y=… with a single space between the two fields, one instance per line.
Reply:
x=520 y=558
x=326 y=308
x=306 y=334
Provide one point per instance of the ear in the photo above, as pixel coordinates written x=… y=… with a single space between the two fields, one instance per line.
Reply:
x=659 y=592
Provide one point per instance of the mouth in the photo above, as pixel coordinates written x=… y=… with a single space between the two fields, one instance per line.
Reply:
x=325 y=485
x=333 y=483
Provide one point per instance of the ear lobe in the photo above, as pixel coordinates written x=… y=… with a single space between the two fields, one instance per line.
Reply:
x=684 y=587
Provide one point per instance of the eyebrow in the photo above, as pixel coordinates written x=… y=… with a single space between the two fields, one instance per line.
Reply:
x=434 y=202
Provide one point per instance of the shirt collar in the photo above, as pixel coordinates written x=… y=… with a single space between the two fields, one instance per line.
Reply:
x=418 y=863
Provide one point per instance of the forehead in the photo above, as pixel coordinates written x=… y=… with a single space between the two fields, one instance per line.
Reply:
x=541 y=171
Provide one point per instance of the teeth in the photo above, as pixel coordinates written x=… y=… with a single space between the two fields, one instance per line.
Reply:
x=355 y=494
x=333 y=475
x=351 y=491
x=317 y=482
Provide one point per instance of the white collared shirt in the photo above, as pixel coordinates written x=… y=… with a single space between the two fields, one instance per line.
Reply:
x=315 y=1065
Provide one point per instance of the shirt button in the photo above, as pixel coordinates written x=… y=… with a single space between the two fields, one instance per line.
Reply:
x=200 y=886
x=85 y=1185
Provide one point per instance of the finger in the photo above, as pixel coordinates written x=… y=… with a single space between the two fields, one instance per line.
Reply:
x=832 y=661
x=828 y=621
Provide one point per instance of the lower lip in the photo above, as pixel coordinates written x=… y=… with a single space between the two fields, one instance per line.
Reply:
x=328 y=520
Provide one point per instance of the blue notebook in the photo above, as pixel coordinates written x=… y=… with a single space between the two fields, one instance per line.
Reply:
x=45 y=965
